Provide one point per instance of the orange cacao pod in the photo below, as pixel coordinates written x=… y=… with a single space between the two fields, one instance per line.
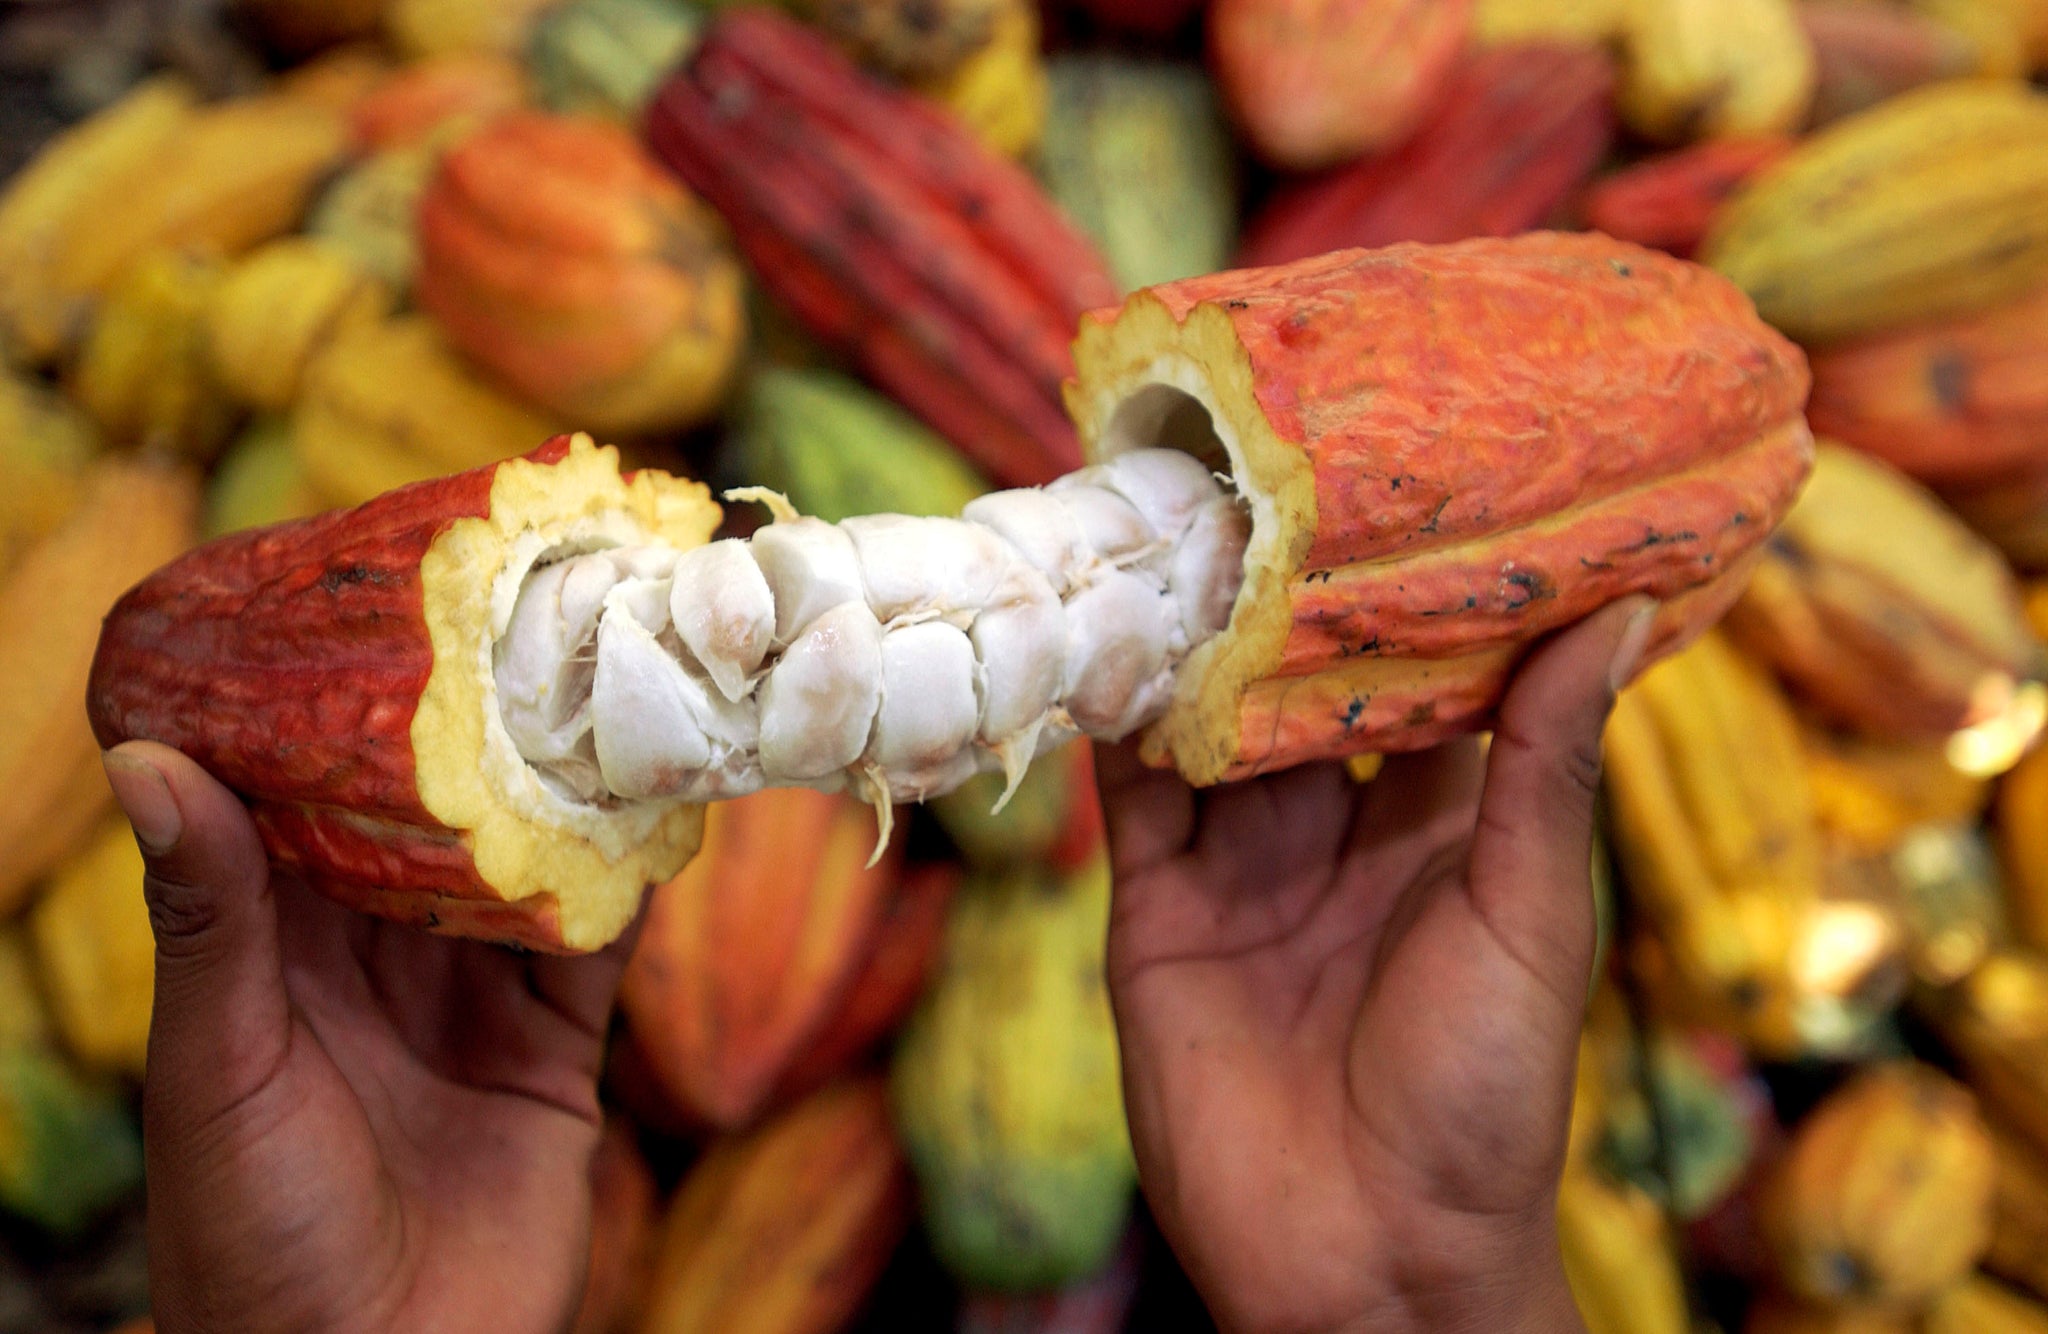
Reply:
x=2019 y=1215
x=891 y=234
x=1864 y=53
x=622 y=1219
x=336 y=671
x=1392 y=581
x=556 y=254
x=785 y=1229
x=2009 y=512
x=1517 y=130
x=1667 y=202
x=1959 y=402
x=1313 y=82
x=745 y=953
x=436 y=95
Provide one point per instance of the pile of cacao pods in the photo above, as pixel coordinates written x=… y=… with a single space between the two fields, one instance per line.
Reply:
x=838 y=249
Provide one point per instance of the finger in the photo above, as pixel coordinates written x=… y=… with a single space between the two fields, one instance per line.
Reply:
x=1149 y=813
x=583 y=989
x=1414 y=791
x=221 y=1021
x=1528 y=871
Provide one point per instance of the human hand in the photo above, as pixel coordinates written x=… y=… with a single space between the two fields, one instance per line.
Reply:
x=349 y=1124
x=1349 y=1014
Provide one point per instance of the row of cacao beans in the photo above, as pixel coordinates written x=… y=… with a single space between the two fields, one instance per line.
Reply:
x=440 y=238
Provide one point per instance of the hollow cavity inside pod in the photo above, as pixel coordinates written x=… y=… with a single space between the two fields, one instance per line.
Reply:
x=1446 y=452
x=342 y=674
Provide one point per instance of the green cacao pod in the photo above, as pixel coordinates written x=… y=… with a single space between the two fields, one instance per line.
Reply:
x=68 y=1147
x=1006 y=1087
x=259 y=481
x=605 y=57
x=837 y=449
x=1137 y=153
x=1052 y=819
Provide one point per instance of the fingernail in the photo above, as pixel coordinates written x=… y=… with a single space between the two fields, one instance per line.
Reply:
x=146 y=799
x=1628 y=654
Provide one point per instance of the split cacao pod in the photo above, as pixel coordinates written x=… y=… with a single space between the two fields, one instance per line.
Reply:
x=1393 y=580
x=145 y=373
x=438 y=98
x=1006 y=1086
x=336 y=671
x=559 y=256
x=2019 y=1215
x=1883 y=1196
x=1955 y=403
x=1137 y=153
x=1888 y=615
x=98 y=956
x=131 y=518
x=1517 y=131
x=1931 y=204
x=941 y=269
x=787 y=1227
x=1865 y=53
x=606 y=57
x=746 y=952
x=1290 y=72
x=1668 y=202
x=274 y=309
x=1735 y=67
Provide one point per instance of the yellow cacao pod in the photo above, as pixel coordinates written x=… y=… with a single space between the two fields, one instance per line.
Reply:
x=277 y=307
x=1000 y=90
x=386 y=404
x=1777 y=1313
x=259 y=481
x=1979 y=1305
x=24 y=1018
x=144 y=374
x=1932 y=203
x=1998 y=32
x=2023 y=847
x=2019 y=1215
x=1995 y=1021
x=45 y=445
x=1712 y=71
x=92 y=936
x=1503 y=22
x=1884 y=1195
x=1618 y=1258
x=131 y=518
x=1870 y=794
x=424 y=28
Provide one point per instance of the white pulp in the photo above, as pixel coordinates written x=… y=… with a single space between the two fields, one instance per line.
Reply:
x=898 y=656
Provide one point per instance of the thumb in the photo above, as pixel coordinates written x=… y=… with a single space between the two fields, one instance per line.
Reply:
x=221 y=1019
x=1528 y=870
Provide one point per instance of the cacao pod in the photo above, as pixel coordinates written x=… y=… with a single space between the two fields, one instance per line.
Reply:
x=1978 y=1305
x=2011 y=513
x=1053 y=818
x=145 y=374
x=1393 y=619
x=1517 y=131
x=1099 y=1305
x=1959 y=402
x=2023 y=846
x=1995 y=1021
x=368 y=214
x=422 y=29
x=606 y=57
x=2019 y=1214
x=388 y=404
x=1599 y=22
x=1869 y=793
x=1290 y=72
x=339 y=79
x=1668 y=201
x=1933 y=203
x=98 y=956
x=276 y=307
x=438 y=100
x=1006 y=1087
x=1137 y=153
x=1776 y=1313
x=999 y=92
x=747 y=951
x=73 y=177
x=1998 y=33
x=68 y=1147
x=908 y=40
x=336 y=671
x=45 y=445
x=1884 y=1195
x=622 y=1220
x=1891 y=617
x=1618 y=1258
x=1865 y=53
x=24 y=1019
x=943 y=270
x=837 y=449
x=560 y=257
x=130 y=518
x=785 y=1228
x=1693 y=71
x=259 y=481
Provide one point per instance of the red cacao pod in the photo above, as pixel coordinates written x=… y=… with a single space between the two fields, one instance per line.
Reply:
x=336 y=671
x=1667 y=202
x=558 y=255
x=745 y=953
x=1517 y=131
x=893 y=236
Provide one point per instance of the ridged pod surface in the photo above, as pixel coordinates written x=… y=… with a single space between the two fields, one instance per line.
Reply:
x=276 y=307
x=1668 y=201
x=1930 y=204
x=144 y=372
x=1734 y=67
x=999 y=92
x=1446 y=451
x=894 y=237
x=1518 y=128
x=336 y=671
